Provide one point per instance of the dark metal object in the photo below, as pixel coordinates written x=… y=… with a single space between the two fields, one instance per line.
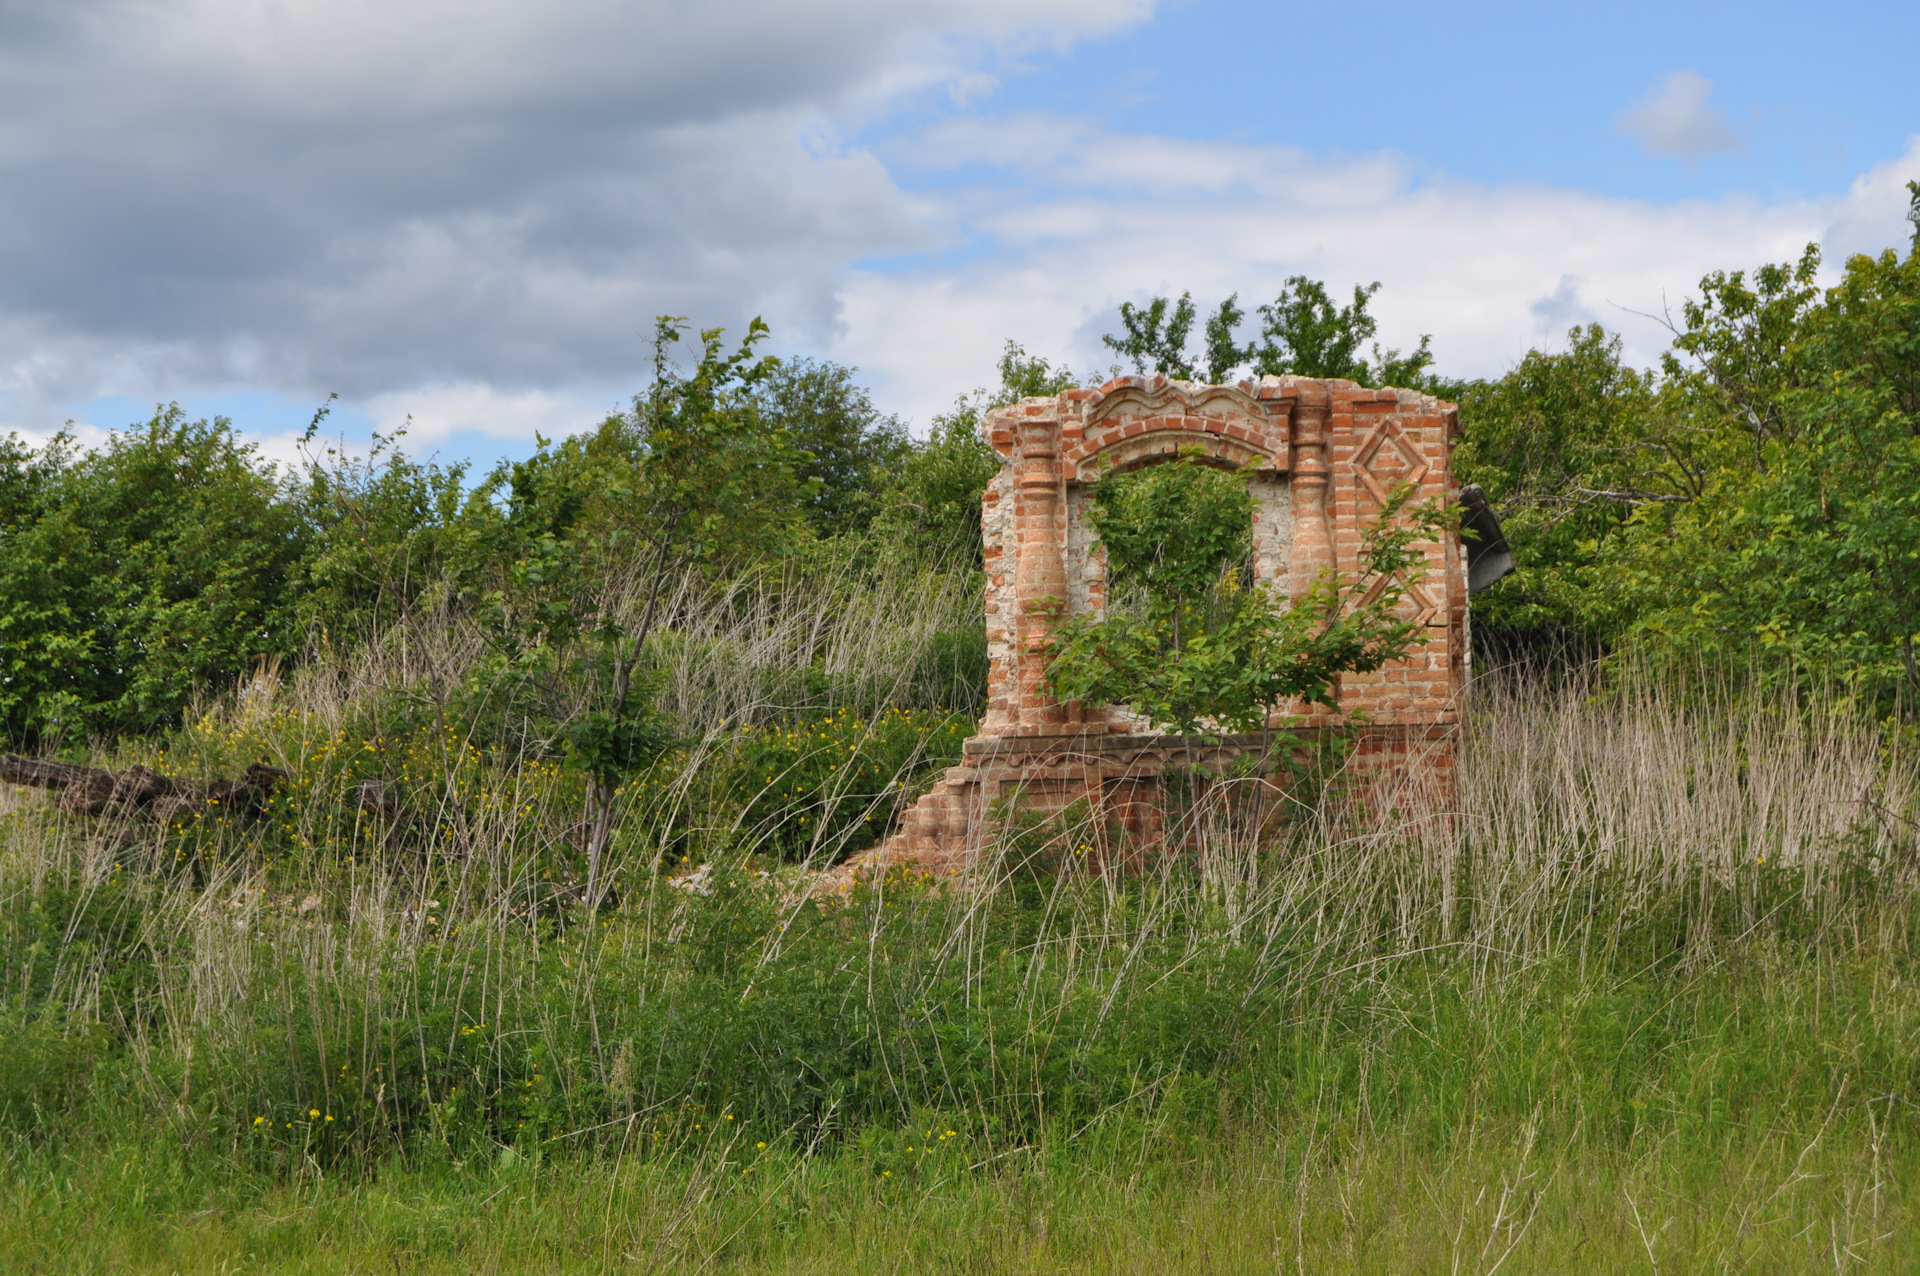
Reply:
x=1488 y=558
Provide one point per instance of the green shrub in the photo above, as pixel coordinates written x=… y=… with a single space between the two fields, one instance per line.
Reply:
x=826 y=787
x=133 y=576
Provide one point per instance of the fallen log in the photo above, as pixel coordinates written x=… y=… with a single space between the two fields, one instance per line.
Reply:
x=38 y=773
x=142 y=792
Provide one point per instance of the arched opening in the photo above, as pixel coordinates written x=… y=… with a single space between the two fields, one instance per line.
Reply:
x=1271 y=515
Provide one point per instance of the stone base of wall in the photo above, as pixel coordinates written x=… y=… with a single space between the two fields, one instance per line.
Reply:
x=1115 y=802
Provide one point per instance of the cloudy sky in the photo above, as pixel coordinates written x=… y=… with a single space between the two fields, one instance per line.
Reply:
x=468 y=213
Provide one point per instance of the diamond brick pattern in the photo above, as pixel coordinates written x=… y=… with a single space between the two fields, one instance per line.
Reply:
x=1374 y=460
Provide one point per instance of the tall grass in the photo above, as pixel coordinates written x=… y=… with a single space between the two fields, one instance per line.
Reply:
x=1668 y=924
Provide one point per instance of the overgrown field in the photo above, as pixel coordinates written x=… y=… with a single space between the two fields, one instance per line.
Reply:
x=1646 y=1005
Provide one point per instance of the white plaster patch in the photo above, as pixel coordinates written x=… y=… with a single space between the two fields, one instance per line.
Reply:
x=1272 y=530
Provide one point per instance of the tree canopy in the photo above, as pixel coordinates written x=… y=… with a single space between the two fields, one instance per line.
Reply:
x=1301 y=333
x=1756 y=494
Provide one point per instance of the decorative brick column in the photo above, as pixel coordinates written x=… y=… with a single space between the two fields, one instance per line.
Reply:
x=1040 y=593
x=1312 y=536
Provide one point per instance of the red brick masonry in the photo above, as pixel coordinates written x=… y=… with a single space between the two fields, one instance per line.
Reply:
x=1322 y=456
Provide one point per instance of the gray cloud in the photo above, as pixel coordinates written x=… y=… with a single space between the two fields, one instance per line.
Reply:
x=1673 y=118
x=1560 y=309
x=364 y=197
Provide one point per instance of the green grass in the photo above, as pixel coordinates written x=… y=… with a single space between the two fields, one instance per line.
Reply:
x=1647 y=1004
x=1750 y=1110
x=1499 y=1195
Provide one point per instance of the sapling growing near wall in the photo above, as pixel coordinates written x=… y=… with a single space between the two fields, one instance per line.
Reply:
x=1194 y=645
x=692 y=480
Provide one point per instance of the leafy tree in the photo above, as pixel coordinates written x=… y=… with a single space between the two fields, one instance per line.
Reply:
x=855 y=451
x=1157 y=338
x=1302 y=333
x=134 y=574
x=49 y=665
x=1192 y=645
x=934 y=508
x=1805 y=540
x=1756 y=496
x=1565 y=449
x=1734 y=356
x=1026 y=376
x=381 y=530
x=1602 y=473
x=1223 y=355
x=573 y=574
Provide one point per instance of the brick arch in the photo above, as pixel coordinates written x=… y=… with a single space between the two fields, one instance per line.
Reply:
x=1137 y=421
x=1155 y=445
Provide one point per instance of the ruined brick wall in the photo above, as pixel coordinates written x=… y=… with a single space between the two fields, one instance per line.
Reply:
x=1322 y=456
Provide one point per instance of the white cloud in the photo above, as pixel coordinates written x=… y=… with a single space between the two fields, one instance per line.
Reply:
x=1876 y=202
x=1673 y=118
x=433 y=414
x=1488 y=270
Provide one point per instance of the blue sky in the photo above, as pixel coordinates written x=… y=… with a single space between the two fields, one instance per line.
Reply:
x=1514 y=92
x=467 y=213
